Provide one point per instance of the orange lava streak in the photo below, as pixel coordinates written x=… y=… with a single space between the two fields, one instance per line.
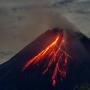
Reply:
x=55 y=74
x=41 y=54
x=55 y=56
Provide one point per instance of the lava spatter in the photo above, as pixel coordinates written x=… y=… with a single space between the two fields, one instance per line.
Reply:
x=56 y=55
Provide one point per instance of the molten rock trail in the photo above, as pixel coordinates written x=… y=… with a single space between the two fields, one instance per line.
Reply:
x=56 y=55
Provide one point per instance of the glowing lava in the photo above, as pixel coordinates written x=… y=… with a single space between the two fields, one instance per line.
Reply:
x=56 y=56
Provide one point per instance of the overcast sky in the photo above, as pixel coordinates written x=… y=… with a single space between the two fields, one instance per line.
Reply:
x=21 y=21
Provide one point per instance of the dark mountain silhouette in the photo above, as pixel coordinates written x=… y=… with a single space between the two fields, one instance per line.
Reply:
x=12 y=76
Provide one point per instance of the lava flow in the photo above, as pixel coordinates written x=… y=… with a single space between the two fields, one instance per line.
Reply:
x=57 y=56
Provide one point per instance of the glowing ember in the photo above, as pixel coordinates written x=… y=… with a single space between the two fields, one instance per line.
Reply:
x=56 y=56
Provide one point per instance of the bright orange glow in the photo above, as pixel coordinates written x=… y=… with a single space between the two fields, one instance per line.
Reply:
x=56 y=56
x=41 y=54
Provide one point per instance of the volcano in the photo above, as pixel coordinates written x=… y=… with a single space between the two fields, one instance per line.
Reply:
x=57 y=60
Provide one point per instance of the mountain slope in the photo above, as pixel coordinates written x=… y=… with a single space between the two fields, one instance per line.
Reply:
x=12 y=75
